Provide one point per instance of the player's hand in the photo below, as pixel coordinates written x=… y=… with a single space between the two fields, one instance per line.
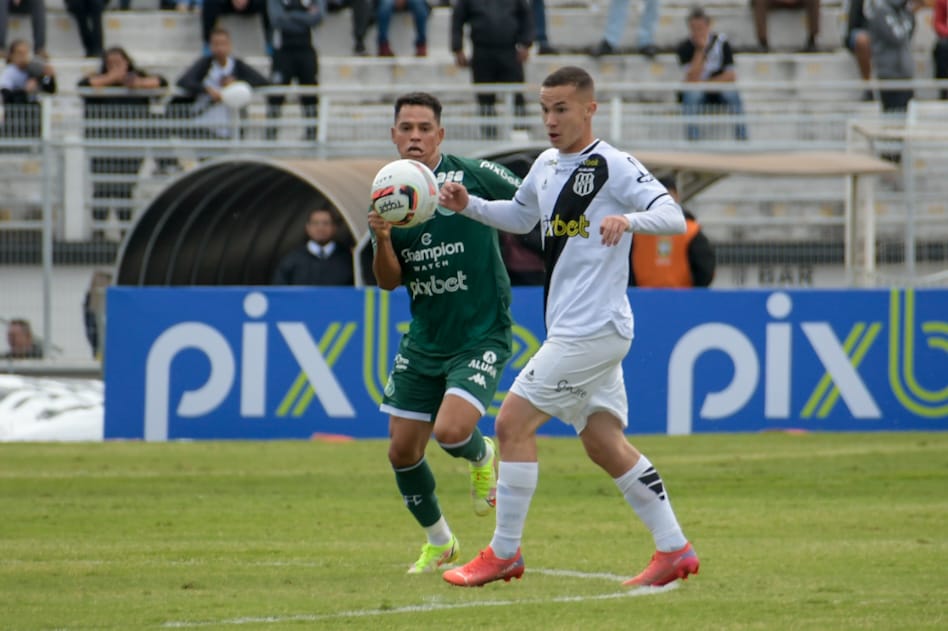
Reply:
x=453 y=196
x=460 y=59
x=381 y=228
x=612 y=228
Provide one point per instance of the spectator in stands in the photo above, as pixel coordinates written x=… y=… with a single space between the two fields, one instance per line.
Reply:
x=501 y=36
x=128 y=104
x=858 y=42
x=812 y=8
x=615 y=26
x=21 y=82
x=37 y=11
x=539 y=28
x=212 y=9
x=679 y=260
x=706 y=56
x=199 y=93
x=88 y=14
x=940 y=52
x=419 y=11
x=362 y=15
x=321 y=260
x=294 y=56
x=20 y=341
x=891 y=26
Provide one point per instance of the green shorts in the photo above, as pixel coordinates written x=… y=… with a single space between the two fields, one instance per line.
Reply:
x=418 y=382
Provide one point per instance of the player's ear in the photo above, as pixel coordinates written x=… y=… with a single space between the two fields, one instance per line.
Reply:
x=591 y=108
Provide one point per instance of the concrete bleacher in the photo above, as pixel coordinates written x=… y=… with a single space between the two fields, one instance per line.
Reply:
x=166 y=42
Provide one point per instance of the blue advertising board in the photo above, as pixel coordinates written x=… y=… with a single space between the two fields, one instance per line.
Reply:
x=267 y=363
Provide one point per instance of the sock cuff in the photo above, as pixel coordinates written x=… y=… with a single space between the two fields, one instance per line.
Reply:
x=640 y=467
x=518 y=474
x=412 y=467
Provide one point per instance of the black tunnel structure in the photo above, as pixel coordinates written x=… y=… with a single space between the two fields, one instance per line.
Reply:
x=230 y=221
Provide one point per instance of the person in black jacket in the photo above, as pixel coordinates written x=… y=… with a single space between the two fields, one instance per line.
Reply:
x=198 y=96
x=501 y=36
x=116 y=115
x=294 y=56
x=321 y=260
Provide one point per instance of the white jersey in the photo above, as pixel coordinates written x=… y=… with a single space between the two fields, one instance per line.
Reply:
x=571 y=194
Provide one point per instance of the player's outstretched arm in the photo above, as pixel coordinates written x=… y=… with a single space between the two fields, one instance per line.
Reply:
x=385 y=265
x=507 y=215
x=665 y=217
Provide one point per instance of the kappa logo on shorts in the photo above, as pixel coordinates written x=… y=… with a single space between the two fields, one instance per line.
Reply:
x=389 y=386
x=478 y=378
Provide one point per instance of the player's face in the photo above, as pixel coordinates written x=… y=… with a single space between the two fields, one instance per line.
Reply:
x=567 y=116
x=417 y=135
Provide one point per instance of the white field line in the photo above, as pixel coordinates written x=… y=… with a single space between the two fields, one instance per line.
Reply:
x=366 y=613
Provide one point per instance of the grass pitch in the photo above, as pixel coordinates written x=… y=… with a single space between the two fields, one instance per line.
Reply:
x=818 y=531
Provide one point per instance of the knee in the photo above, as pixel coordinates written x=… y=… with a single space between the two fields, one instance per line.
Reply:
x=861 y=42
x=402 y=454
x=451 y=435
x=507 y=429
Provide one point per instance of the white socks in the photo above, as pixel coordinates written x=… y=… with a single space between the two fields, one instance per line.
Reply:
x=516 y=483
x=643 y=489
x=439 y=534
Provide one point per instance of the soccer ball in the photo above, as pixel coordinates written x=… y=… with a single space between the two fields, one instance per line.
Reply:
x=405 y=193
x=237 y=95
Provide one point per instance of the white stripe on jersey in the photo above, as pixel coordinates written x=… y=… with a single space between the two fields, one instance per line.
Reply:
x=589 y=281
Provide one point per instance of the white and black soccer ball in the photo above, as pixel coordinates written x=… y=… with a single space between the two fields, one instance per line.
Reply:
x=405 y=193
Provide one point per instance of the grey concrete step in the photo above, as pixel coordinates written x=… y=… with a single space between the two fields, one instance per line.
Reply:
x=573 y=29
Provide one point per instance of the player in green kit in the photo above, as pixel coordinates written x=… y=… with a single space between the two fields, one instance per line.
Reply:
x=448 y=365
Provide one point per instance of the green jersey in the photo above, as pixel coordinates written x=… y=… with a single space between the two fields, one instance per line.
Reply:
x=452 y=268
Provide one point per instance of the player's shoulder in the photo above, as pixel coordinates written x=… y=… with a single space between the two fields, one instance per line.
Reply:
x=488 y=169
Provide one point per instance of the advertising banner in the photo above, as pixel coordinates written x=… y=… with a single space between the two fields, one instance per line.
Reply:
x=271 y=363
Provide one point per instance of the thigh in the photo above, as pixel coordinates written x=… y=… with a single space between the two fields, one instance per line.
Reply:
x=568 y=376
x=474 y=375
x=415 y=386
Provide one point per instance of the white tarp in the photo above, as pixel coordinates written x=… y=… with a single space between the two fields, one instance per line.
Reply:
x=43 y=409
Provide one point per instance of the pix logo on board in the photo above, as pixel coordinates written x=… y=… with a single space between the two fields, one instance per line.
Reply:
x=253 y=370
x=839 y=359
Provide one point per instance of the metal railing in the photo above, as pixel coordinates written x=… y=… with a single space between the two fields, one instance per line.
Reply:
x=72 y=183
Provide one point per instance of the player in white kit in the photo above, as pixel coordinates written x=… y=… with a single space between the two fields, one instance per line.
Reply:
x=582 y=190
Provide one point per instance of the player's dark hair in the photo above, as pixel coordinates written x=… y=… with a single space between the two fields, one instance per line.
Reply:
x=424 y=99
x=569 y=75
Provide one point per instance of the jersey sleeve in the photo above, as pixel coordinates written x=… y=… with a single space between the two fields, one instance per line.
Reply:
x=644 y=200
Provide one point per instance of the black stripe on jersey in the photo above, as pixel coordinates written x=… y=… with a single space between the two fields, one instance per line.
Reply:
x=575 y=197
x=656 y=199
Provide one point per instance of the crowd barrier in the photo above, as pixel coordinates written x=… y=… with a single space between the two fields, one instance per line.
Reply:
x=262 y=363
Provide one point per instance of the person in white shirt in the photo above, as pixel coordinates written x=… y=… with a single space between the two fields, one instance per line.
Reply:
x=590 y=198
